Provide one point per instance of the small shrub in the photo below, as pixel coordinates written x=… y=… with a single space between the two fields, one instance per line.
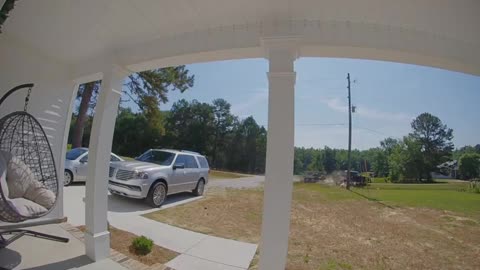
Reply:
x=142 y=245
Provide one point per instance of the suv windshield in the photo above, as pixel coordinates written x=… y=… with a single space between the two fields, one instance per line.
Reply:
x=75 y=153
x=158 y=157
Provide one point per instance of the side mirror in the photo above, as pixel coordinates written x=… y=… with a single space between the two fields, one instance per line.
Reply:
x=179 y=166
x=83 y=160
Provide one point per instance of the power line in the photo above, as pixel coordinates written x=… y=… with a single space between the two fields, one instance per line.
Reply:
x=341 y=124
x=322 y=124
x=372 y=130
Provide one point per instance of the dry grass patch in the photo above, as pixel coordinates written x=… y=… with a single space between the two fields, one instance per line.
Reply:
x=335 y=229
x=225 y=175
x=121 y=241
x=234 y=214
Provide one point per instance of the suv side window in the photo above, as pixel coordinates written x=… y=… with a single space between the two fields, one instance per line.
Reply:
x=191 y=162
x=203 y=162
x=181 y=160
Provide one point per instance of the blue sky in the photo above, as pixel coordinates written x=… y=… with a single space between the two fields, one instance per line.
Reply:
x=387 y=95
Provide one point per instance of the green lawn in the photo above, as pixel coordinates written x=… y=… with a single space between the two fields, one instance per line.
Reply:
x=379 y=180
x=443 y=196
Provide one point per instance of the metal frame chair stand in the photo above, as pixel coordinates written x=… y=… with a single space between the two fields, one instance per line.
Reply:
x=16 y=234
x=23 y=137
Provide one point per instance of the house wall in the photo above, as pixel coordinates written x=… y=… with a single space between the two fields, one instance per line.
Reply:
x=50 y=100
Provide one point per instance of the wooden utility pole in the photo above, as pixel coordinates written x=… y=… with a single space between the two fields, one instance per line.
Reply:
x=349 y=132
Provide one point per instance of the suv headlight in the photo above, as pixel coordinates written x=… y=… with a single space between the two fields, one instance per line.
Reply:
x=141 y=175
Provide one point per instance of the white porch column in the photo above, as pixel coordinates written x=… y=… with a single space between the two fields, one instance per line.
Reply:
x=281 y=53
x=97 y=237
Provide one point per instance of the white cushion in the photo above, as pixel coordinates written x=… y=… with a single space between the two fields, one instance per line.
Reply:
x=38 y=193
x=22 y=183
x=19 y=177
x=26 y=207
x=3 y=175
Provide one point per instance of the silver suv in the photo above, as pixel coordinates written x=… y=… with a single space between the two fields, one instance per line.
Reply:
x=158 y=173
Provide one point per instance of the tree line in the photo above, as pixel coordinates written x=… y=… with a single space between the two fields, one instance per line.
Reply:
x=409 y=159
x=229 y=143
x=235 y=144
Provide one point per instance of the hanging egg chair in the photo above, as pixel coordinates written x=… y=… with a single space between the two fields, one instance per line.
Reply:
x=28 y=176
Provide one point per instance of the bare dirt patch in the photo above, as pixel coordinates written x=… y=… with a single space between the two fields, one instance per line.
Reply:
x=121 y=241
x=214 y=175
x=331 y=230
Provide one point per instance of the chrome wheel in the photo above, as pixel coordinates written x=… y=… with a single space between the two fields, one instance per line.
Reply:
x=159 y=195
x=67 y=178
x=201 y=188
x=198 y=191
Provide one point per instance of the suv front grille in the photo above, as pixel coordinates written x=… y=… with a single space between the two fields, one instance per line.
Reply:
x=111 y=171
x=124 y=175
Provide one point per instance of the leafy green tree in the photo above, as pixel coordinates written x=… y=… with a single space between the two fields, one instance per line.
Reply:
x=406 y=162
x=464 y=150
x=147 y=89
x=317 y=163
x=223 y=123
x=87 y=93
x=297 y=165
x=150 y=88
x=379 y=161
x=469 y=166
x=435 y=139
x=329 y=162
x=190 y=126
x=251 y=130
x=261 y=150
x=388 y=144
x=131 y=136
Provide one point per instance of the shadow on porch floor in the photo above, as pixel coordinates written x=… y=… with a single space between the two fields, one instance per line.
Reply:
x=35 y=253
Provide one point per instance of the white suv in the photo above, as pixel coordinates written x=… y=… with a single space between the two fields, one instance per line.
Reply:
x=158 y=173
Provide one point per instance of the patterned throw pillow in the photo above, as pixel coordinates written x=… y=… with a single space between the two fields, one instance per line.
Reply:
x=27 y=208
x=22 y=183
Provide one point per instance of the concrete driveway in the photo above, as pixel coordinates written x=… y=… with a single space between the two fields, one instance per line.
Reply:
x=197 y=251
x=244 y=182
x=74 y=205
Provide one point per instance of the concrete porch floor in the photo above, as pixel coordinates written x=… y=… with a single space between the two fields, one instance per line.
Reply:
x=36 y=253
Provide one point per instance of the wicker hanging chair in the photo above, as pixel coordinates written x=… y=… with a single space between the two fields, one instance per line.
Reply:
x=22 y=136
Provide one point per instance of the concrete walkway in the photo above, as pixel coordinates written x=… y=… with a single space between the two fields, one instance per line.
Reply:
x=197 y=251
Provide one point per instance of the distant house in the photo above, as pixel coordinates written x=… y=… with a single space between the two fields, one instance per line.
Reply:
x=447 y=169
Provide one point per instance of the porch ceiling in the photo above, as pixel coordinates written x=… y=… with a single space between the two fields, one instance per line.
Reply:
x=74 y=31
